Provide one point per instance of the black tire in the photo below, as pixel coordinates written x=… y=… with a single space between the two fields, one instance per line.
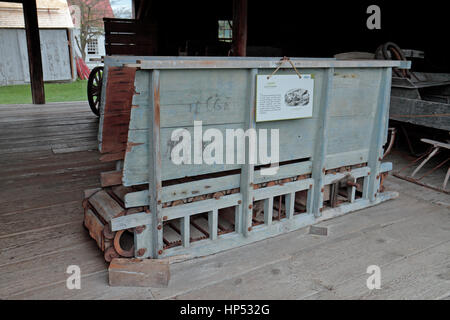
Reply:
x=94 y=89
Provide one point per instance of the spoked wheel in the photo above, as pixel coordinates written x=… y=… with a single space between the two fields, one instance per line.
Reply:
x=94 y=89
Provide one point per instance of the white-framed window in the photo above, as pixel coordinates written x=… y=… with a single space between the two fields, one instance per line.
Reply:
x=225 y=33
x=92 y=46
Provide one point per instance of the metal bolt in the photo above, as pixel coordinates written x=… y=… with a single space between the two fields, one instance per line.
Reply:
x=321 y=209
x=160 y=252
x=165 y=218
x=249 y=229
x=239 y=201
x=141 y=252
x=250 y=206
x=159 y=227
x=322 y=190
x=310 y=186
x=139 y=229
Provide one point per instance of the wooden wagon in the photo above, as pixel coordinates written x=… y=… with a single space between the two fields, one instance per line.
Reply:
x=330 y=163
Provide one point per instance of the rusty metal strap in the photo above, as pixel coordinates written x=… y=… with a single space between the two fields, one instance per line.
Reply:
x=282 y=61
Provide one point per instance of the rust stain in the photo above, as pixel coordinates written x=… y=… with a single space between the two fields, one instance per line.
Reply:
x=130 y=145
x=118 y=103
x=157 y=104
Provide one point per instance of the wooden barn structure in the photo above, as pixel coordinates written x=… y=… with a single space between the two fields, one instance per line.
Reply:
x=295 y=29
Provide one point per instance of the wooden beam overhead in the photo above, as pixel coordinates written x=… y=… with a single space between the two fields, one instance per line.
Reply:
x=34 y=52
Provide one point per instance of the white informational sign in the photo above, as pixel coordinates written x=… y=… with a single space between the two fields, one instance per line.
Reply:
x=283 y=97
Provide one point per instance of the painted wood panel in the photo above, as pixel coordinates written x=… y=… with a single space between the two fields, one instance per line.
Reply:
x=14 y=57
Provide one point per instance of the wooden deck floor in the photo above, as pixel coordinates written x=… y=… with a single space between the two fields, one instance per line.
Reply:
x=48 y=157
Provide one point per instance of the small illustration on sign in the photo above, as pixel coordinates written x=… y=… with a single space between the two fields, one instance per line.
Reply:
x=297 y=97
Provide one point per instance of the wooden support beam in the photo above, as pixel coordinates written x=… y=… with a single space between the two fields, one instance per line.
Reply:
x=240 y=27
x=34 y=51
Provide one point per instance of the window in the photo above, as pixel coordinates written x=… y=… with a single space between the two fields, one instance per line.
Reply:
x=92 y=46
x=225 y=30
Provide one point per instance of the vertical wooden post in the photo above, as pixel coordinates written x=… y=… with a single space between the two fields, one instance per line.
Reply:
x=155 y=184
x=185 y=231
x=34 y=51
x=213 y=217
x=240 y=27
x=247 y=171
x=268 y=211
x=149 y=243
x=379 y=134
x=320 y=152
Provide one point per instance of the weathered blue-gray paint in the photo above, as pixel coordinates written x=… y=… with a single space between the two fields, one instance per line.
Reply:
x=56 y=62
x=348 y=127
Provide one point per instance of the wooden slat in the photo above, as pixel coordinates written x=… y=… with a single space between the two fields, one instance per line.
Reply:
x=111 y=178
x=119 y=93
x=105 y=206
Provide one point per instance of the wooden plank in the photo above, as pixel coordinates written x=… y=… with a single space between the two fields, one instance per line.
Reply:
x=320 y=151
x=142 y=218
x=265 y=193
x=94 y=286
x=378 y=135
x=215 y=97
x=173 y=63
x=185 y=231
x=139 y=273
x=268 y=211
x=106 y=206
x=213 y=224
x=42 y=218
x=35 y=243
x=118 y=93
x=21 y=277
x=111 y=178
x=206 y=186
x=420 y=112
x=247 y=170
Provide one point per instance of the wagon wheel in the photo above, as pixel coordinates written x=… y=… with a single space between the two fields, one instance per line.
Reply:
x=94 y=89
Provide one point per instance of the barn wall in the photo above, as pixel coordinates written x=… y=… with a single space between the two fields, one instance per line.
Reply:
x=14 y=57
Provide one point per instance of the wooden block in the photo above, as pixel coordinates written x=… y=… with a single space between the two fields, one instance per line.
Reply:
x=111 y=178
x=89 y=192
x=120 y=191
x=106 y=206
x=95 y=227
x=139 y=273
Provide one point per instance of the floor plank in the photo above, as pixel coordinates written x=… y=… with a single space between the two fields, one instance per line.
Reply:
x=44 y=168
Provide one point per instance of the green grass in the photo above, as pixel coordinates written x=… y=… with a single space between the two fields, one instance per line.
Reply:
x=54 y=92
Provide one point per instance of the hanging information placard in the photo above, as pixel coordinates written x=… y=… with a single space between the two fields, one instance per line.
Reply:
x=283 y=97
